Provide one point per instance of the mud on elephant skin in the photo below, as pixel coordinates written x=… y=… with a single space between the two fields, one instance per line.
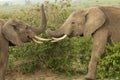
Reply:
x=100 y=22
x=16 y=32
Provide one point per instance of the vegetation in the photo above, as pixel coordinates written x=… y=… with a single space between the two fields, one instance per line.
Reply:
x=69 y=56
x=109 y=65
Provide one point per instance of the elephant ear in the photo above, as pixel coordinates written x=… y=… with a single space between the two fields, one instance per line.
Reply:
x=8 y=31
x=95 y=18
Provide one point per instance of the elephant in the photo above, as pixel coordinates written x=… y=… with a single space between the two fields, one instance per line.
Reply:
x=101 y=23
x=15 y=32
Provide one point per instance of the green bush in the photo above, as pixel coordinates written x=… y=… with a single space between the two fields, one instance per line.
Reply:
x=68 y=56
x=109 y=65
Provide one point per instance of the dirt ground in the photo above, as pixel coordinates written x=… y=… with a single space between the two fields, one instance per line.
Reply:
x=41 y=75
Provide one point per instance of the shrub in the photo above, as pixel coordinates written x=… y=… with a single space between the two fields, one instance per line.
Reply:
x=69 y=56
x=109 y=65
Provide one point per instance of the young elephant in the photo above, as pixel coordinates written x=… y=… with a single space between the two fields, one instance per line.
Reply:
x=15 y=32
x=100 y=22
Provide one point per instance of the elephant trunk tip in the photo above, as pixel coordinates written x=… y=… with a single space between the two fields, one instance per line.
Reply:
x=43 y=22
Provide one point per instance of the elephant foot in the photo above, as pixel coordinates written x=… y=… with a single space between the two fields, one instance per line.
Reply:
x=90 y=77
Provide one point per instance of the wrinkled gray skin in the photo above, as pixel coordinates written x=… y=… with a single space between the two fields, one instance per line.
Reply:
x=15 y=32
x=102 y=23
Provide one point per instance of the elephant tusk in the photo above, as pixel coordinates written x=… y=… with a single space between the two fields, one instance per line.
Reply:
x=58 y=39
x=41 y=39
x=37 y=41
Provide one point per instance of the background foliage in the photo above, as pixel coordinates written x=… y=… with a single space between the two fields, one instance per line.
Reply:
x=69 y=56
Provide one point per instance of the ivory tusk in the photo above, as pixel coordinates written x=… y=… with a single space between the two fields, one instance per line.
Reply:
x=41 y=39
x=58 y=39
x=37 y=41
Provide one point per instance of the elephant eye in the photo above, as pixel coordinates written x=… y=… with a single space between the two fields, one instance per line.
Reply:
x=72 y=22
x=26 y=27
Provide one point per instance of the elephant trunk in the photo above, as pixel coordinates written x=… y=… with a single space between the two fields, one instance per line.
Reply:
x=42 y=27
x=55 y=33
x=65 y=29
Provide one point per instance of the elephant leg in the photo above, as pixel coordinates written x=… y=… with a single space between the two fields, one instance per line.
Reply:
x=99 y=42
x=3 y=63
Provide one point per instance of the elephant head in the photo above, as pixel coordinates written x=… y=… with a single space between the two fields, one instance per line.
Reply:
x=79 y=23
x=18 y=32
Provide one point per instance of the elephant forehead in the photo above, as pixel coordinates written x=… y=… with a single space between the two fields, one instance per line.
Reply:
x=78 y=13
x=78 y=18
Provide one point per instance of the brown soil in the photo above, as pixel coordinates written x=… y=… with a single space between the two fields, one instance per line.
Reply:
x=41 y=75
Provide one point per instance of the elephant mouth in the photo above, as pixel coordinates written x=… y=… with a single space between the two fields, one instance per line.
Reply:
x=39 y=40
